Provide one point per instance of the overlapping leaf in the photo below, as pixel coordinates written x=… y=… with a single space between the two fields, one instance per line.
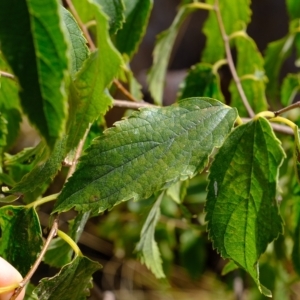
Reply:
x=21 y=236
x=147 y=246
x=153 y=148
x=137 y=14
x=115 y=10
x=242 y=211
x=201 y=82
x=162 y=52
x=252 y=76
x=293 y=9
x=235 y=15
x=43 y=171
x=79 y=51
x=88 y=98
x=72 y=282
x=289 y=88
x=36 y=50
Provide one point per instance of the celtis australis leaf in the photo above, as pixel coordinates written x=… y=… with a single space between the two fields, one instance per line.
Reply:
x=152 y=149
x=242 y=211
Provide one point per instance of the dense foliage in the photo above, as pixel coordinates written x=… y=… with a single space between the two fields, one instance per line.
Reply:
x=61 y=67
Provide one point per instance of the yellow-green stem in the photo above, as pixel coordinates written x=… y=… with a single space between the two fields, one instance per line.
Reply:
x=8 y=288
x=286 y=122
x=68 y=240
x=218 y=64
x=239 y=121
x=201 y=6
x=42 y=201
x=265 y=114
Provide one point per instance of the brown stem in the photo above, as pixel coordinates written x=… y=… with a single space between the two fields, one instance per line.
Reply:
x=23 y=283
x=230 y=61
x=121 y=87
x=7 y=75
x=285 y=109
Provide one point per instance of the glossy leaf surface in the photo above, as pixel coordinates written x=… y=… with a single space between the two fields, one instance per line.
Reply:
x=152 y=149
x=242 y=211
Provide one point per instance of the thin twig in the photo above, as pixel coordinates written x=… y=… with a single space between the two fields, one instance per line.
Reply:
x=27 y=278
x=285 y=109
x=81 y=25
x=230 y=61
x=7 y=75
x=121 y=87
x=132 y=105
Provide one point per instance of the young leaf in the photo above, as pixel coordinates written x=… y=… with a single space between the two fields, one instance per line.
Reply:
x=151 y=149
x=43 y=171
x=88 y=98
x=147 y=246
x=162 y=52
x=242 y=211
x=79 y=51
x=137 y=14
x=289 y=88
x=36 y=50
x=115 y=10
x=76 y=275
x=201 y=82
x=21 y=239
x=235 y=15
x=276 y=54
x=250 y=69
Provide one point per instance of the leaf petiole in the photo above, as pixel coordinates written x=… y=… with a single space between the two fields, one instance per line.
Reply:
x=68 y=240
x=42 y=201
x=265 y=114
x=285 y=121
x=8 y=288
x=201 y=6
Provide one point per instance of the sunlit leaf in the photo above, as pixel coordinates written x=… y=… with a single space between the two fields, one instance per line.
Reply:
x=21 y=236
x=147 y=246
x=36 y=50
x=242 y=211
x=79 y=51
x=289 y=88
x=161 y=55
x=235 y=15
x=250 y=69
x=201 y=82
x=88 y=99
x=72 y=282
x=137 y=14
x=152 y=149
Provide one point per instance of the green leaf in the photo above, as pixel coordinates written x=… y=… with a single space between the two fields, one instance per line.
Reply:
x=76 y=275
x=137 y=14
x=201 y=81
x=296 y=154
x=9 y=104
x=79 y=51
x=177 y=191
x=250 y=69
x=88 y=99
x=115 y=10
x=43 y=171
x=293 y=9
x=21 y=239
x=235 y=14
x=229 y=267
x=147 y=246
x=161 y=55
x=36 y=50
x=242 y=211
x=276 y=54
x=59 y=252
x=289 y=88
x=150 y=150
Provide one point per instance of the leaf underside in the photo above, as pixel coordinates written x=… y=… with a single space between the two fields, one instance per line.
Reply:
x=242 y=212
x=149 y=151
